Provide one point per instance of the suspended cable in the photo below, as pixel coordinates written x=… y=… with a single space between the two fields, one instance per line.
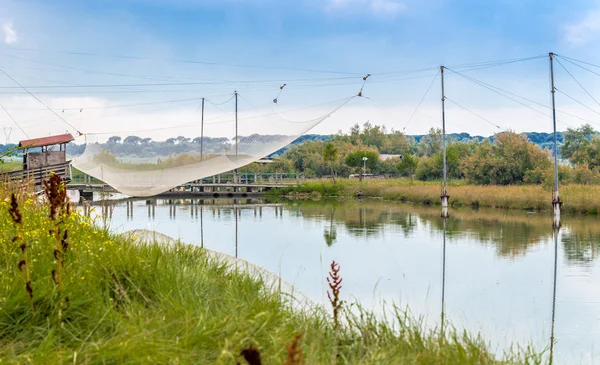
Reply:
x=578 y=83
x=420 y=101
x=472 y=112
x=500 y=92
x=577 y=101
x=576 y=60
x=581 y=67
x=41 y=102
x=497 y=63
x=14 y=121
x=223 y=103
x=346 y=99
x=188 y=61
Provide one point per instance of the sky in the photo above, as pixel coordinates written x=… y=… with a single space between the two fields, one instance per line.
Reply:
x=86 y=66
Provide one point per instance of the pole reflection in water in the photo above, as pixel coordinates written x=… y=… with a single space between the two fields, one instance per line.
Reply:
x=555 y=234
x=201 y=227
x=236 y=231
x=443 y=277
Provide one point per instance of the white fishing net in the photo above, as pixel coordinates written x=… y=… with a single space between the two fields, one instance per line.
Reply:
x=152 y=161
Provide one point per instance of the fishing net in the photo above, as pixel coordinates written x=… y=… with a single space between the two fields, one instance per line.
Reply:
x=152 y=161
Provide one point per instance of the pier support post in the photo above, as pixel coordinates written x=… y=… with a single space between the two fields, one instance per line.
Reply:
x=445 y=197
x=556 y=204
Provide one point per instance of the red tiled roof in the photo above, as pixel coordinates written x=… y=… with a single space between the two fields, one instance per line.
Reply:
x=46 y=141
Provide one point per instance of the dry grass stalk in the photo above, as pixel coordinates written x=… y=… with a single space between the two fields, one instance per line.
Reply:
x=335 y=283
x=294 y=352
x=56 y=194
x=17 y=219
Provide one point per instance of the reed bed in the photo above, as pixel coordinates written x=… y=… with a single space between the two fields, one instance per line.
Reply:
x=583 y=199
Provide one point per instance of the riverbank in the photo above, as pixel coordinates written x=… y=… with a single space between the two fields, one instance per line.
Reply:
x=122 y=301
x=577 y=199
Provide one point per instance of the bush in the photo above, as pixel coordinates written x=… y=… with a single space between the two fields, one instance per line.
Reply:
x=511 y=159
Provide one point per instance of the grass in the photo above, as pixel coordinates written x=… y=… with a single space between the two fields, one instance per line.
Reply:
x=122 y=302
x=576 y=198
x=10 y=165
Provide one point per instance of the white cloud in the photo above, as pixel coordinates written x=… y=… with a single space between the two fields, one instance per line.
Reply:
x=584 y=31
x=10 y=34
x=379 y=7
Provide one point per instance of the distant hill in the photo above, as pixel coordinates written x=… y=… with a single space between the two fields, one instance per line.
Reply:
x=544 y=140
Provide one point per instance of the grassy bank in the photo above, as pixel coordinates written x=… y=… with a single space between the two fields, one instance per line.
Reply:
x=109 y=300
x=576 y=198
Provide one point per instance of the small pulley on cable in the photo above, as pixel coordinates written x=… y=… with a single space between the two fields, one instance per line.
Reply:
x=363 y=85
x=279 y=93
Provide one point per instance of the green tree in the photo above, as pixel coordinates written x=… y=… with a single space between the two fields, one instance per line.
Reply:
x=431 y=168
x=574 y=141
x=407 y=166
x=431 y=144
x=355 y=159
x=330 y=155
x=511 y=159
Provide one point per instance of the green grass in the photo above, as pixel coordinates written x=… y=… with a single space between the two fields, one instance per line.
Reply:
x=10 y=165
x=132 y=303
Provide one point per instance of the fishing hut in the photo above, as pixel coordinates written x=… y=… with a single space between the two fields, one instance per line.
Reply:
x=44 y=156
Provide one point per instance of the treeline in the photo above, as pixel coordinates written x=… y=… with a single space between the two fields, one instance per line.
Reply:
x=503 y=159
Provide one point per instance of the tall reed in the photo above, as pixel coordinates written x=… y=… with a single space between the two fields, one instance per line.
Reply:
x=17 y=219
x=56 y=194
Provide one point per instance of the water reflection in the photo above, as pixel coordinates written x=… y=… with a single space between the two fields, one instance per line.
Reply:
x=504 y=268
x=555 y=234
x=512 y=234
x=443 y=311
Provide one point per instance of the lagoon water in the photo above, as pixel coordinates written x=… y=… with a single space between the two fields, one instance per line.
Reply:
x=497 y=271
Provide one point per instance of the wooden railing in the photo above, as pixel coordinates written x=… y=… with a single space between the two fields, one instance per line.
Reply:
x=37 y=175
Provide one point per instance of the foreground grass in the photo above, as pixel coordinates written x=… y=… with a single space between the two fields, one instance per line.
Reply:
x=131 y=303
x=576 y=198
x=10 y=165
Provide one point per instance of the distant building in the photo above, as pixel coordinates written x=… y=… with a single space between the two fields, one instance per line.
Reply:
x=384 y=157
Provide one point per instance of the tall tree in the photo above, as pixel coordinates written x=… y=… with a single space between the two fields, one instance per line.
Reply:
x=407 y=166
x=330 y=155
x=574 y=141
x=431 y=144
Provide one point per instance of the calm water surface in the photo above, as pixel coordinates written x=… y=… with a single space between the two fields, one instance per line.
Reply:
x=496 y=271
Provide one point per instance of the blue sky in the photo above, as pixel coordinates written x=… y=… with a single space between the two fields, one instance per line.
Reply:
x=348 y=37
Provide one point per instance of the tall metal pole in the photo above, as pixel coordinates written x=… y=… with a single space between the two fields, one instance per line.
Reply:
x=202 y=132
x=444 y=196
x=236 y=123
x=236 y=139
x=556 y=203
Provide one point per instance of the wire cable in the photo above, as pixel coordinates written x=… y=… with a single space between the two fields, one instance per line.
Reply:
x=420 y=102
x=14 y=121
x=577 y=101
x=578 y=83
x=501 y=92
x=41 y=102
x=187 y=61
x=472 y=112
